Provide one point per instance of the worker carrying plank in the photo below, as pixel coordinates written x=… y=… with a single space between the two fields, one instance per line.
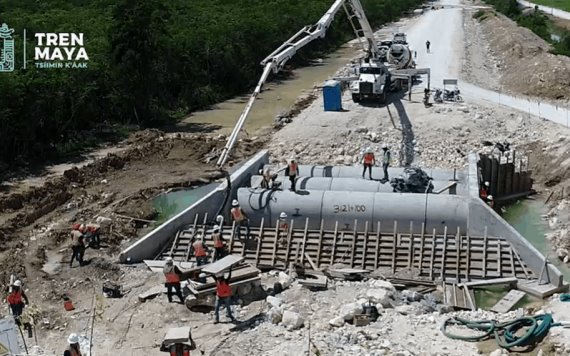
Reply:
x=173 y=275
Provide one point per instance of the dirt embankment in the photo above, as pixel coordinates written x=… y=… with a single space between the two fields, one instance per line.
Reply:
x=523 y=59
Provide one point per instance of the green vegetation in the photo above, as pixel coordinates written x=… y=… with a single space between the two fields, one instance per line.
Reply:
x=559 y=4
x=150 y=61
x=537 y=22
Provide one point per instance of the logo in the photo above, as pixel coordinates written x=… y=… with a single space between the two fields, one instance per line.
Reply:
x=7 y=49
x=60 y=50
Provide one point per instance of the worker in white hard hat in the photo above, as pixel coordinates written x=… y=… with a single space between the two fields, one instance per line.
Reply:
x=368 y=161
x=219 y=243
x=240 y=218
x=484 y=191
x=491 y=201
x=386 y=159
x=17 y=299
x=223 y=296
x=73 y=348
x=266 y=181
x=292 y=171
x=283 y=228
x=173 y=276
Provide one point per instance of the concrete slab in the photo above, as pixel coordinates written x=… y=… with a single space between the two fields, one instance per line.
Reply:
x=223 y=264
x=541 y=290
x=508 y=301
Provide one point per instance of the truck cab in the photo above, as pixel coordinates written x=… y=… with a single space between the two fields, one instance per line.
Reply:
x=373 y=82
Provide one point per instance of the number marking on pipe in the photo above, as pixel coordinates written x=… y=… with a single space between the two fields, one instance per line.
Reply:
x=347 y=208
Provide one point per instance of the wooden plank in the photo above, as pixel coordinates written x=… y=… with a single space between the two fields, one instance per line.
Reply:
x=151 y=293
x=444 y=252
x=513 y=272
x=421 y=248
x=259 y=241
x=485 y=254
x=231 y=246
x=489 y=282
x=365 y=249
x=457 y=254
x=508 y=301
x=499 y=260
x=222 y=264
x=394 y=242
x=334 y=243
x=304 y=241
x=451 y=184
x=469 y=299
x=521 y=263
x=432 y=257
x=411 y=252
x=313 y=265
x=319 y=282
x=467 y=269
x=354 y=239
x=319 y=249
x=289 y=238
x=275 y=242
x=378 y=237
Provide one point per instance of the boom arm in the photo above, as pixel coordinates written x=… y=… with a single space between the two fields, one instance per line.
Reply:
x=276 y=60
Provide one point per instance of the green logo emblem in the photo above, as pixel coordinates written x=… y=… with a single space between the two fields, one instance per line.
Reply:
x=7 y=49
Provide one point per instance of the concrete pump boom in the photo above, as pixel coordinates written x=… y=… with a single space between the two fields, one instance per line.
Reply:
x=276 y=60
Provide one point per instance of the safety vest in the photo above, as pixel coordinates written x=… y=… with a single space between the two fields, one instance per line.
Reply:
x=172 y=277
x=184 y=353
x=15 y=297
x=386 y=157
x=75 y=226
x=483 y=193
x=199 y=250
x=369 y=158
x=92 y=227
x=292 y=169
x=223 y=289
x=237 y=214
x=284 y=226
x=73 y=351
x=218 y=243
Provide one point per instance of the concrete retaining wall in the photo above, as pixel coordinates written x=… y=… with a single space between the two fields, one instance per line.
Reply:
x=148 y=246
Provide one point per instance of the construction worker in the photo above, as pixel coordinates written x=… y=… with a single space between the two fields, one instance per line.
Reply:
x=386 y=159
x=283 y=228
x=77 y=246
x=484 y=191
x=179 y=350
x=223 y=296
x=428 y=43
x=172 y=274
x=200 y=252
x=73 y=349
x=490 y=201
x=239 y=216
x=219 y=244
x=266 y=181
x=92 y=234
x=292 y=171
x=368 y=160
x=17 y=300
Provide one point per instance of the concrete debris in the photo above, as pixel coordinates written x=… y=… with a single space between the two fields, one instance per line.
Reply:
x=292 y=320
x=348 y=311
x=273 y=301
x=285 y=280
x=380 y=296
x=274 y=316
x=338 y=321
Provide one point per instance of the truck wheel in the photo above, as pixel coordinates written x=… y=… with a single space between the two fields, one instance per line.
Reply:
x=356 y=98
x=458 y=98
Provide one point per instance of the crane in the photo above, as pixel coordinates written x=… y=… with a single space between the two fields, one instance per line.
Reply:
x=277 y=59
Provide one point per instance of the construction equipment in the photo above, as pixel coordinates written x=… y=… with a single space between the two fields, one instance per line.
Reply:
x=399 y=54
x=373 y=76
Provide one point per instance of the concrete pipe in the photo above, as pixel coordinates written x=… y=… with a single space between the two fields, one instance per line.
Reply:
x=345 y=207
x=356 y=172
x=351 y=184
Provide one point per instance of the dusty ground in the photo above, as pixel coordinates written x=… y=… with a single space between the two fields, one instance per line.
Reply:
x=34 y=218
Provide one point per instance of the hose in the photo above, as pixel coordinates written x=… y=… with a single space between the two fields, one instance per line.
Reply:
x=504 y=333
x=227 y=197
x=565 y=297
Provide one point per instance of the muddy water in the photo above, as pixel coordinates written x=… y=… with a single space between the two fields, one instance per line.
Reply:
x=173 y=203
x=276 y=97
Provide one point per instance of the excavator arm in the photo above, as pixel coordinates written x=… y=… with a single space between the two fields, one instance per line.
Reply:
x=276 y=60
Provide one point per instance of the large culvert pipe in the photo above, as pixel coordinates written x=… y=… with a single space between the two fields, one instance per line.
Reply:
x=437 y=211
x=356 y=172
x=351 y=184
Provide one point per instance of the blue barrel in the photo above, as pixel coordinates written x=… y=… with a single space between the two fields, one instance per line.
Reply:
x=332 y=95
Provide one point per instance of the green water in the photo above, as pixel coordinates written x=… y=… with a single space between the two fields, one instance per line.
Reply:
x=170 y=204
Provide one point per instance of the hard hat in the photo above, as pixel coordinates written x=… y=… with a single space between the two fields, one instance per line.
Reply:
x=490 y=197
x=73 y=339
x=292 y=159
x=384 y=146
x=82 y=227
x=202 y=275
x=169 y=260
x=486 y=184
x=283 y=215
x=368 y=149
x=235 y=202
x=17 y=283
x=216 y=228
x=261 y=171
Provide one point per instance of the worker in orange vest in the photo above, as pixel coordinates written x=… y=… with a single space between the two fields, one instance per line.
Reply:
x=173 y=275
x=219 y=243
x=292 y=171
x=368 y=160
x=200 y=252
x=283 y=228
x=73 y=349
x=484 y=191
x=17 y=300
x=223 y=296
x=77 y=247
x=180 y=350
x=240 y=218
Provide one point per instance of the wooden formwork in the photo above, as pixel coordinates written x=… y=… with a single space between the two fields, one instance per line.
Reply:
x=508 y=175
x=439 y=256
